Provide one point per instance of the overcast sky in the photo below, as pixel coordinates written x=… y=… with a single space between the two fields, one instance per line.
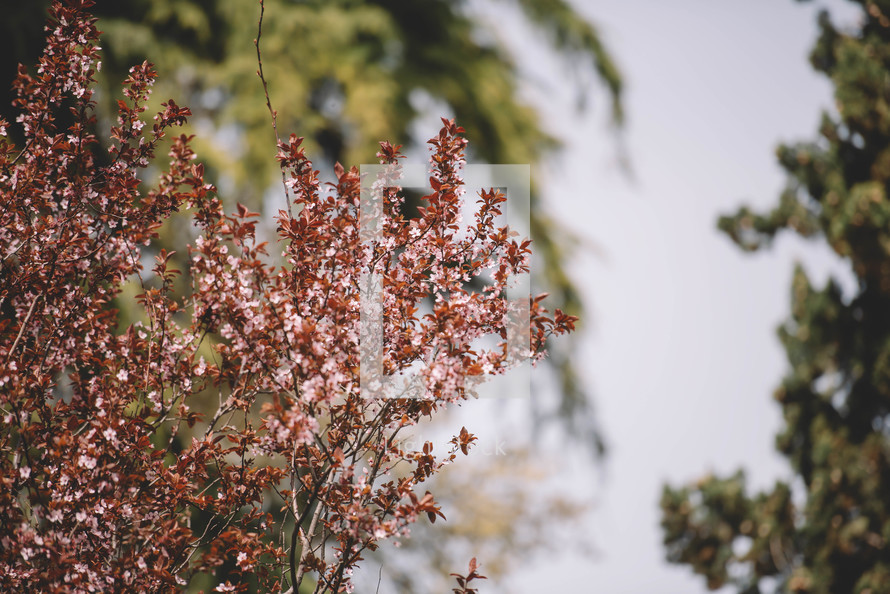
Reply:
x=681 y=350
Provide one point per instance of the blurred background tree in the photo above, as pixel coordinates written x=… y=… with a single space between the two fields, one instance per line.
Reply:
x=826 y=529
x=346 y=74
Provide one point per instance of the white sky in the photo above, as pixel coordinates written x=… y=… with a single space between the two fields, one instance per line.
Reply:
x=681 y=349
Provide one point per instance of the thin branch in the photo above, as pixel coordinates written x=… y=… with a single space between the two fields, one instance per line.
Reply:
x=22 y=329
x=272 y=112
x=306 y=541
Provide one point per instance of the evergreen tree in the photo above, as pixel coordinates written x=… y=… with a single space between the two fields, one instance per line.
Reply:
x=826 y=529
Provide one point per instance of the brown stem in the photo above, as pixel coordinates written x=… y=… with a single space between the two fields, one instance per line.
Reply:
x=272 y=112
x=22 y=329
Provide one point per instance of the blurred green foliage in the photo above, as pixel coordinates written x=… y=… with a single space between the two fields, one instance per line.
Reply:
x=827 y=529
x=344 y=74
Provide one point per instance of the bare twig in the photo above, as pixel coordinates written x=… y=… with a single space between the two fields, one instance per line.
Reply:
x=272 y=112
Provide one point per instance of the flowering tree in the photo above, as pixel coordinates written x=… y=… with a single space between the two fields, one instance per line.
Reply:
x=101 y=490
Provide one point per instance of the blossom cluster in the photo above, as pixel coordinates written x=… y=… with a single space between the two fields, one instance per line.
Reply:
x=225 y=432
